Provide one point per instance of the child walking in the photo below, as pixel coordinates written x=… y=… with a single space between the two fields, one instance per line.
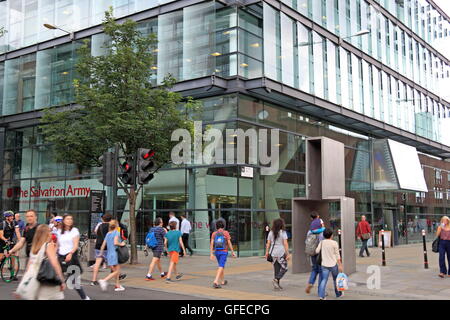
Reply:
x=172 y=243
x=220 y=242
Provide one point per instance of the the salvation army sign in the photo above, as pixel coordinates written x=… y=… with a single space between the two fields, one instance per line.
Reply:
x=71 y=189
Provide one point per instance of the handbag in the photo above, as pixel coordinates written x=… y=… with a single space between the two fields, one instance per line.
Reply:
x=365 y=236
x=123 y=254
x=435 y=245
x=47 y=274
x=269 y=256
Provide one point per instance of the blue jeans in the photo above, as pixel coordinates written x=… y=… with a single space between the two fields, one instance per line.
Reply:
x=323 y=283
x=444 y=248
x=316 y=271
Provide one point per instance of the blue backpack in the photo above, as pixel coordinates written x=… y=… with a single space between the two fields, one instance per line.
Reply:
x=150 y=239
x=219 y=241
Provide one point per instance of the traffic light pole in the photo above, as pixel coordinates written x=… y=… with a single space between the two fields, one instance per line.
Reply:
x=114 y=174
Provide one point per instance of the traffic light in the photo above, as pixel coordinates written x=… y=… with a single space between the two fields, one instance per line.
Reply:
x=144 y=165
x=126 y=174
x=106 y=160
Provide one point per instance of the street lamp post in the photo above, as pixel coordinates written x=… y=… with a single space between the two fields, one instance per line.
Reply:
x=52 y=27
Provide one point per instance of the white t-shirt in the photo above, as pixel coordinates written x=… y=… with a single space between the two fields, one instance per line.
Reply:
x=185 y=226
x=65 y=241
x=177 y=221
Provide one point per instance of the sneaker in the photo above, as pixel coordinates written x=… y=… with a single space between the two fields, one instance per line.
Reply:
x=103 y=285
x=169 y=281
x=179 y=276
x=279 y=286
x=164 y=274
x=308 y=288
x=322 y=298
x=94 y=283
x=147 y=278
x=87 y=298
x=120 y=288
x=341 y=294
x=276 y=285
x=216 y=286
x=122 y=276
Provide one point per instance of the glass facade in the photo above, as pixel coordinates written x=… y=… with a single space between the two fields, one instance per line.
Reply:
x=402 y=89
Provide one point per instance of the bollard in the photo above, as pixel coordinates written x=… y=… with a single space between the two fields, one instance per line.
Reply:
x=340 y=243
x=425 y=255
x=383 y=254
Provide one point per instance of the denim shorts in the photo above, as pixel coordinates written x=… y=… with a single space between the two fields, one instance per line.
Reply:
x=98 y=255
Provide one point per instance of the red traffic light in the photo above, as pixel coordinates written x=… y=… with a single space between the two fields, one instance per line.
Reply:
x=147 y=154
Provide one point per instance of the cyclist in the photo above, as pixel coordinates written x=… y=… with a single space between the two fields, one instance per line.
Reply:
x=28 y=233
x=8 y=229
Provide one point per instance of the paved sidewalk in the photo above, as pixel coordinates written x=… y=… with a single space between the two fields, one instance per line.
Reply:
x=404 y=277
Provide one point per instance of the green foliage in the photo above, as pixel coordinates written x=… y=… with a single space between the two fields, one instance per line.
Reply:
x=120 y=105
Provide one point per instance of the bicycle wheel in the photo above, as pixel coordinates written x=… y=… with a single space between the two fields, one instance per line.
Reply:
x=9 y=268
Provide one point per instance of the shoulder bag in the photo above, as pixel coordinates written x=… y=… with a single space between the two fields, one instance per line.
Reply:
x=435 y=245
x=47 y=274
x=269 y=257
x=319 y=255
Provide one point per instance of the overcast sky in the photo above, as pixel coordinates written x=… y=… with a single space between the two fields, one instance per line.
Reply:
x=444 y=4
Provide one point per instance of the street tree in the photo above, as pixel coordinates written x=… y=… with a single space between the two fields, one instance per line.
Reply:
x=117 y=105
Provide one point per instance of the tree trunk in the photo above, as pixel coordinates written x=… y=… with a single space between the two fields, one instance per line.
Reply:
x=133 y=244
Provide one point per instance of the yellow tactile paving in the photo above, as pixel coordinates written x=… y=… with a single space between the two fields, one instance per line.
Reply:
x=189 y=289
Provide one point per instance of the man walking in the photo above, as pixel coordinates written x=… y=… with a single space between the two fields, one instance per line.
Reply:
x=20 y=223
x=185 y=230
x=175 y=219
x=363 y=232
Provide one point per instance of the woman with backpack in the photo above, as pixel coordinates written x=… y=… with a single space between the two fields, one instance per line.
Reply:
x=220 y=242
x=111 y=242
x=277 y=251
x=158 y=236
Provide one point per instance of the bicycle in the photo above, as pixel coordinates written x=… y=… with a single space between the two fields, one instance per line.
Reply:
x=82 y=248
x=9 y=266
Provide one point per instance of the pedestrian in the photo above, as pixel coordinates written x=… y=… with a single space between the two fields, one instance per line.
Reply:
x=278 y=248
x=100 y=256
x=20 y=223
x=363 y=232
x=328 y=249
x=220 y=242
x=110 y=243
x=172 y=243
x=68 y=242
x=174 y=219
x=315 y=231
x=28 y=234
x=185 y=230
x=42 y=248
x=443 y=232
x=159 y=233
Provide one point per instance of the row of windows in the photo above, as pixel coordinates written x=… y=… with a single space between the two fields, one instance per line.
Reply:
x=303 y=59
x=386 y=41
x=24 y=19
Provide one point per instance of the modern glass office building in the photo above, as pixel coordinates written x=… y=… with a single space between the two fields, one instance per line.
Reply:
x=356 y=71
